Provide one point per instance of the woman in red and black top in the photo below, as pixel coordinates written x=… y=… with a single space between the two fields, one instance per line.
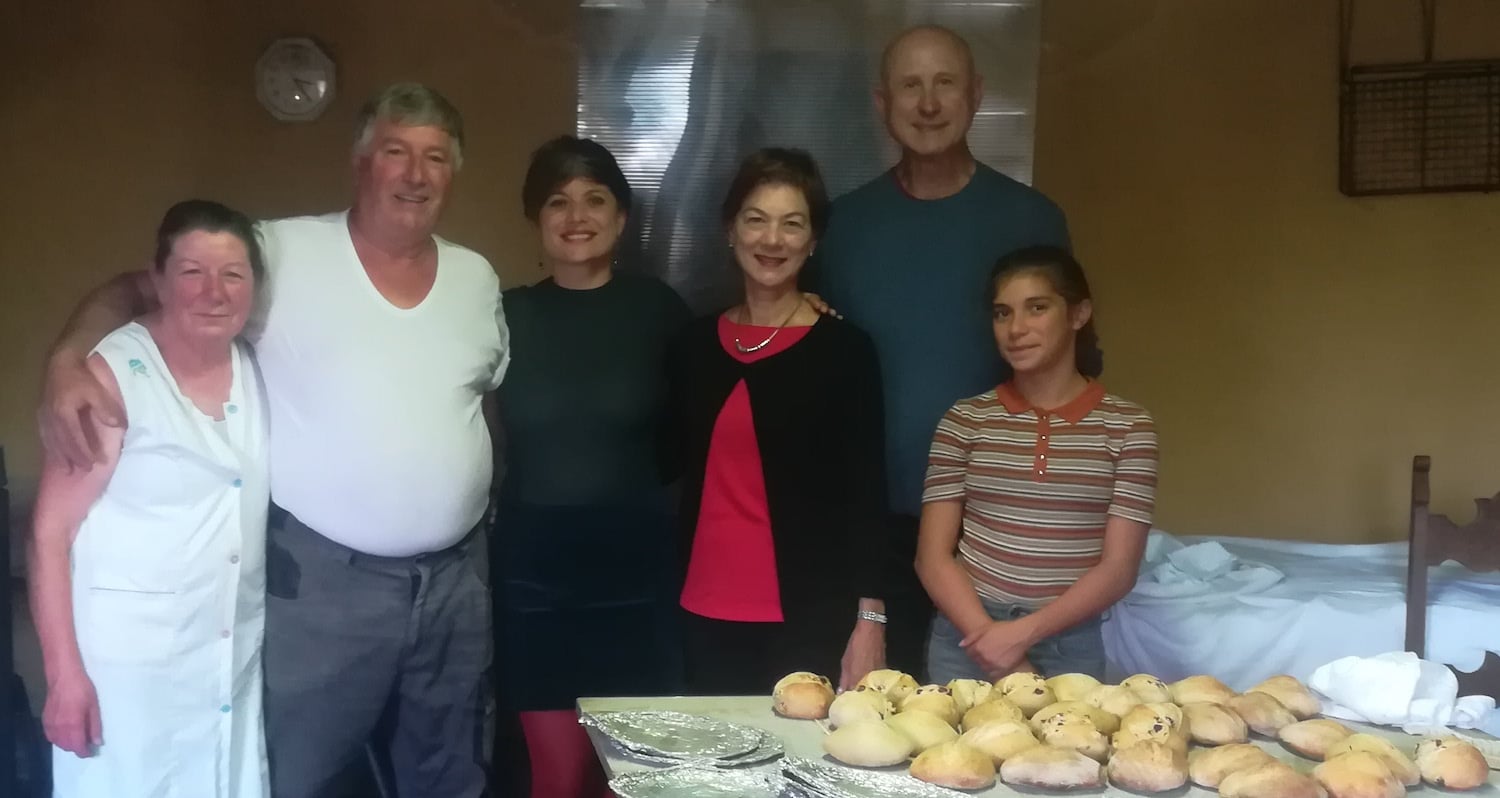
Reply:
x=780 y=414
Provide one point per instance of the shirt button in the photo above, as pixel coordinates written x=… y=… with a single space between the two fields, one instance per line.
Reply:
x=238 y=483
x=1042 y=456
x=233 y=408
x=234 y=559
x=224 y=634
x=224 y=708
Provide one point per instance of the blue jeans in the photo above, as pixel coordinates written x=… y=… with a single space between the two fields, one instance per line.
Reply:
x=1079 y=649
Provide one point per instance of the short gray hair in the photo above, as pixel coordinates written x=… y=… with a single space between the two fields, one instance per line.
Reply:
x=410 y=104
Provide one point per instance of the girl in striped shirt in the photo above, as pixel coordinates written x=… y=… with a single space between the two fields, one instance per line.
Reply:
x=1039 y=493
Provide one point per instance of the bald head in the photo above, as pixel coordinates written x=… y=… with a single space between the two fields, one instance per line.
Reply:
x=924 y=37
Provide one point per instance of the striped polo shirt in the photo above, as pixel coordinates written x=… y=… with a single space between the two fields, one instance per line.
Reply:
x=1037 y=485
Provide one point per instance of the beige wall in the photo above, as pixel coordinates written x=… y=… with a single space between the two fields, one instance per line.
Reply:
x=1296 y=346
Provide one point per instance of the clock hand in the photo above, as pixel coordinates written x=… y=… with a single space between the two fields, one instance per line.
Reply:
x=304 y=87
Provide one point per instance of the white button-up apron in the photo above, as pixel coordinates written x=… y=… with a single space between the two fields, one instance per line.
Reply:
x=169 y=591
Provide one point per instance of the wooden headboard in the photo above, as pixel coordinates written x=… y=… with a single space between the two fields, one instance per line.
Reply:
x=1435 y=539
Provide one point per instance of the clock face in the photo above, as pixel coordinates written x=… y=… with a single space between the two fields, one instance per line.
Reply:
x=294 y=80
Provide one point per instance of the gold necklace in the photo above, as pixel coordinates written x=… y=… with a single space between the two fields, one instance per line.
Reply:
x=746 y=350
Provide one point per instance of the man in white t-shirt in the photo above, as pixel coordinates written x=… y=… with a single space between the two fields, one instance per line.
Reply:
x=377 y=341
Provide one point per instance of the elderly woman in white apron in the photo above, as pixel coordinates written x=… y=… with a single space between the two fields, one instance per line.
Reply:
x=147 y=572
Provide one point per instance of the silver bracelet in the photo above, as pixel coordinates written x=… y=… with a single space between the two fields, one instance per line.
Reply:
x=869 y=615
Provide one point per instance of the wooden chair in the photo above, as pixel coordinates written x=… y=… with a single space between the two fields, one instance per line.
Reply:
x=1435 y=539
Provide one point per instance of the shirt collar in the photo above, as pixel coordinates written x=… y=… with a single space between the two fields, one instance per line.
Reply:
x=1073 y=412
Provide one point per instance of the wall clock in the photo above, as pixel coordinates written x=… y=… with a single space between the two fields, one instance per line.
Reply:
x=294 y=79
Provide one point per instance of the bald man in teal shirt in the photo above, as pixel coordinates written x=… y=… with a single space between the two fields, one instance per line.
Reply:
x=906 y=258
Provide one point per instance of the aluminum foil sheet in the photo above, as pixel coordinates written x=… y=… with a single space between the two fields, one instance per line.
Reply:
x=698 y=782
x=678 y=736
x=820 y=780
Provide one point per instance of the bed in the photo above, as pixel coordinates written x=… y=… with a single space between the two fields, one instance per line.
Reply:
x=1245 y=609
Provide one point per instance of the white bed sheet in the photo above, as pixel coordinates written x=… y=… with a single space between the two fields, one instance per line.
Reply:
x=1335 y=601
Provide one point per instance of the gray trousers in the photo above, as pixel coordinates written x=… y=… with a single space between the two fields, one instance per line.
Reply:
x=390 y=650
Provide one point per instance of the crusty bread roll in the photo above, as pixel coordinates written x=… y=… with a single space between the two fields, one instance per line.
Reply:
x=1165 y=735
x=1358 y=774
x=935 y=699
x=1203 y=688
x=995 y=709
x=954 y=764
x=1148 y=766
x=1027 y=691
x=1207 y=767
x=1313 y=738
x=924 y=729
x=1214 y=724
x=1271 y=779
x=895 y=684
x=969 y=693
x=1071 y=686
x=1161 y=714
x=1077 y=733
x=1052 y=769
x=860 y=703
x=1148 y=688
x=868 y=744
x=1452 y=763
x=1000 y=739
x=1113 y=698
x=1292 y=694
x=802 y=695
x=1262 y=712
x=1103 y=721
x=1395 y=759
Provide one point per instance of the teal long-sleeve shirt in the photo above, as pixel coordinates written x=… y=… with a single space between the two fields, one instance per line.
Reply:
x=911 y=273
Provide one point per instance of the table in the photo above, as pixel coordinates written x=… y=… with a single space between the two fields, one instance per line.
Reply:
x=803 y=739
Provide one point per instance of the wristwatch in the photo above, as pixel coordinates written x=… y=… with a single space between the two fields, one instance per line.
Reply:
x=869 y=615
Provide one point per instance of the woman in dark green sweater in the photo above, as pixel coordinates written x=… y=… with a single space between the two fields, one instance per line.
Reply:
x=582 y=561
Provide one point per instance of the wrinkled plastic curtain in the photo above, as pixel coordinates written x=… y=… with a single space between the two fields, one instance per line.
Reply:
x=681 y=90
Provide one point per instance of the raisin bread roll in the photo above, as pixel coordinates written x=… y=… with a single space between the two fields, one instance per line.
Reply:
x=1148 y=688
x=894 y=684
x=935 y=699
x=969 y=693
x=1027 y=691
x=802 y=695
x=1452 y=764
x=1113 y=698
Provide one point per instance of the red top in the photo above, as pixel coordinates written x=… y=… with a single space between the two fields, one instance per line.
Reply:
x=731 y=573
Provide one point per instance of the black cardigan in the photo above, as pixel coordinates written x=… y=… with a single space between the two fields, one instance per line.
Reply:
x=819 y=422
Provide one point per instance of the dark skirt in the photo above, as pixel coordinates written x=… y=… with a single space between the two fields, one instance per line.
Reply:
x=584 y=604
x=738 y=658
